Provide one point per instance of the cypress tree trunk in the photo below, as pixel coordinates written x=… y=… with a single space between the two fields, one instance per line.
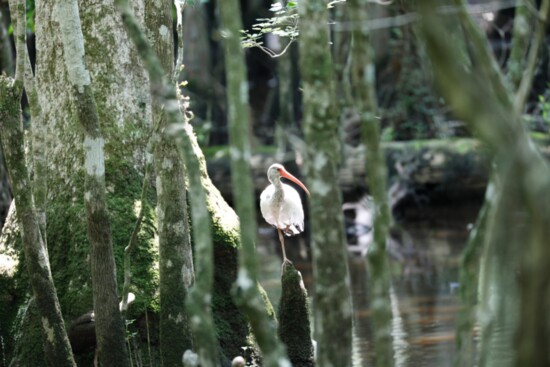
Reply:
x=56 y=343
x=332 y=311
x=363 y=81
x=246 y=289
x=199 y=302
x=521 y=68
x=516 y=263
x=122 y=121
x=231 y=326
x=522 y=32
x=468 y=279
x=176 y=259
x=109 y=328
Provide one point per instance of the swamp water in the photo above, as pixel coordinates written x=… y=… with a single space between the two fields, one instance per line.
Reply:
x=424 y=285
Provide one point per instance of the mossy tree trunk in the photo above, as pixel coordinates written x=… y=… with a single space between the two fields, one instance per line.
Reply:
x=176 y=259
x=232 y=328
x=56 y=343
x=524 y=19
x=246 y=289
x=520 y=71
x=109 y=329
x=199 y=301
x=332 y=301
x=516 y=261
x=363 y=86
x=122 y=120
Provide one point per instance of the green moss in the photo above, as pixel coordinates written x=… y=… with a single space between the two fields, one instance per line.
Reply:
x=231 y=325
x=464 y=146
x=540 y=138
x=11 y=297
x=69 y=255
x=294 y=325
x=28 y=338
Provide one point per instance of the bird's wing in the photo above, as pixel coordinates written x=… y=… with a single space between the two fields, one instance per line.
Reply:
x=292 y=213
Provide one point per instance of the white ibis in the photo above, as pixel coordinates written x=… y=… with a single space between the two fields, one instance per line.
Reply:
x=281 y=205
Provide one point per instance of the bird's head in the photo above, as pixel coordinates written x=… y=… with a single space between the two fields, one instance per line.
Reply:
x=276 y=171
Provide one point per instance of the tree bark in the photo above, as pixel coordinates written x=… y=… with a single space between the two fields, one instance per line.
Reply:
x=109 y=329
x=199 y=302
x=231 y=326
x=332 y=311
x=515 y=269
x=246 y=290
x=522 y=34
x=176 y=259
x=363 y=81
x=61 y=151
x=56 y=343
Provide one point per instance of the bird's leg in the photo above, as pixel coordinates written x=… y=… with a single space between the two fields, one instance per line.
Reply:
x=282 y=240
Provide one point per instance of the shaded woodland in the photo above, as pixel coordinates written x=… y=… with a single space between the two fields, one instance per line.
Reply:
x=135 y=139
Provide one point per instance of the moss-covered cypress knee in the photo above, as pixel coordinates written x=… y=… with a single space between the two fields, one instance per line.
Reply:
x=294 y=326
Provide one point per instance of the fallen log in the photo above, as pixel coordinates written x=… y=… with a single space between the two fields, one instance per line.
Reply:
x=450 y=167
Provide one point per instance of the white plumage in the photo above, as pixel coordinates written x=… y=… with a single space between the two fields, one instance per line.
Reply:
x=283 y=211
x=281 y=205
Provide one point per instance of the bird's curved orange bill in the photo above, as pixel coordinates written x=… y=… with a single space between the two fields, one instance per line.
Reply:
x=286 y=174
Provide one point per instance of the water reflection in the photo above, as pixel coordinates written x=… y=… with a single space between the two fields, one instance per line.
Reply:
x=423 y=294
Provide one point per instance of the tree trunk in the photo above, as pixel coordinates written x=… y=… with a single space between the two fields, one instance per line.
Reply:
x=199 y=302
x=522 y=32
x=246 y=291
x=332 y=311
x=109 y=329
x=122 y=120
x=176 y=259
x=6 y=64
x=363 y=81
x=515 y=269
x=56 y=343
x=231 y=325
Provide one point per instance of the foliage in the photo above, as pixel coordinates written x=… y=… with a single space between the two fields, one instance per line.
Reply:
x=283 y=24
x=544 y=104
x=30 y=18
x=408 y=101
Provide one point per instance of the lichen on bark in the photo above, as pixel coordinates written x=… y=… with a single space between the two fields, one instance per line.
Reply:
x=332 y=300
x=56 y=344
